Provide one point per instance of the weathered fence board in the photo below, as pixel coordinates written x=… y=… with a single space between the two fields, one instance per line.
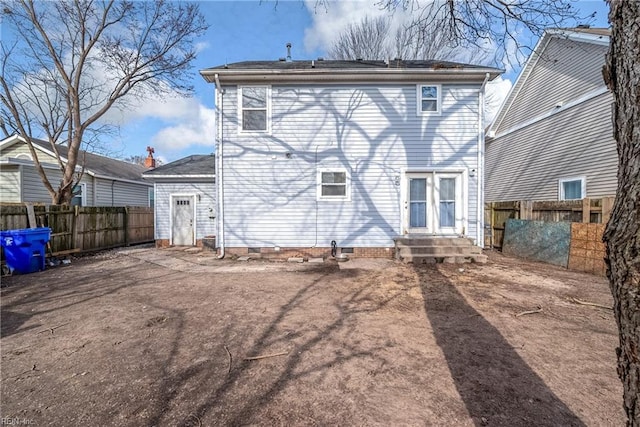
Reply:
x=84 y=229
x=586 y=210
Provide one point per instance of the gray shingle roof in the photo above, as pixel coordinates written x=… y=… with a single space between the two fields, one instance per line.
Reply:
x=100 y=165
x=198 y=164
x=345 y=65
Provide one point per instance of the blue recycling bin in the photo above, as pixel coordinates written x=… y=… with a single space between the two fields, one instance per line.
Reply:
x=24 y=248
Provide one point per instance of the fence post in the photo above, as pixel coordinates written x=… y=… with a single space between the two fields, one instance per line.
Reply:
x=607 y=205
x=526 y=209
x=586 y=210
x=126 y=226
x=74 y=228
x=493 y=224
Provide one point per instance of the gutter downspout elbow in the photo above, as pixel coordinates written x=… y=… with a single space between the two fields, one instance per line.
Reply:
x=219 y=166
x=480 y=173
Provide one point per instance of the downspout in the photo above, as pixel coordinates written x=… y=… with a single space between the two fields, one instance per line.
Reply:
x=219 y=170
x=480 y=171
x=112 y=195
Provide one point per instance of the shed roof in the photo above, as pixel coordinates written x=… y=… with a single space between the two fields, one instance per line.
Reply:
x=197 y=165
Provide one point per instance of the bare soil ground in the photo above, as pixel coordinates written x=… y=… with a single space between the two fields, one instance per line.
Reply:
x=150 y=337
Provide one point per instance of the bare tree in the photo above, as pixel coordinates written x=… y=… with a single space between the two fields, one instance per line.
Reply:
x=72 y=61
x=501 y=22
x=622 y=235
x=367 y=39
x=377 y=39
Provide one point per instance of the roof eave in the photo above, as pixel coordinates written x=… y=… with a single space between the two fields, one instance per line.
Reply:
x=348 y=76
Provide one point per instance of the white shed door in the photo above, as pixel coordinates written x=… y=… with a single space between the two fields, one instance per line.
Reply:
x=182 y=221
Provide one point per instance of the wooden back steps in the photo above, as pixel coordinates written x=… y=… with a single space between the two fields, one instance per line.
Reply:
x=431 y=250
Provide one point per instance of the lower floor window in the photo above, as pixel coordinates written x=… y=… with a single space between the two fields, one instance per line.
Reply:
x=572 y=188
x=333 y=184
x=79 y=195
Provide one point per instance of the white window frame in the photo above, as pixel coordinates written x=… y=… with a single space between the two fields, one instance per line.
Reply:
x=241 y=109
x=151 y=191
x=83 y=193
x=438 y=99
x=347 y=184
x=583 y=187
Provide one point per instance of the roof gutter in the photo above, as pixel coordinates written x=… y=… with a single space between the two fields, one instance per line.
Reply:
x=480 y=165
x=219 y=169
x=346 y=76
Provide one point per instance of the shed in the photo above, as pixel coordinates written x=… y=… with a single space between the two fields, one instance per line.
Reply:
x=185 y=202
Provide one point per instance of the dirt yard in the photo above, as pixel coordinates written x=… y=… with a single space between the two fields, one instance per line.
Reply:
x=150 y=337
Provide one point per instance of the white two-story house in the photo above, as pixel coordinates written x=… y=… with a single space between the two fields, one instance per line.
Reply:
x=352 y=154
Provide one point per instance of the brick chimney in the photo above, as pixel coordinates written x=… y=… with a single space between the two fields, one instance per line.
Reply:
x=150 y=162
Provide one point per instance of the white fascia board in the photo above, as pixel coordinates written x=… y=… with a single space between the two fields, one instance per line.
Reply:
x=130 y=181
x=581 y=36
x=177 y=176
x=25 y=162
x=570 y=104
x=536 y=53
x=347 y=76
x=9 y=141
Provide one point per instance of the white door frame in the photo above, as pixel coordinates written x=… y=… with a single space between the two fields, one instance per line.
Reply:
x=462 y=194
x=172 y=196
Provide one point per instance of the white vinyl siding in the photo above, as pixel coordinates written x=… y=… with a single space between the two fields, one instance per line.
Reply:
x=10 y=183
x=205 y=207
x=370 y=130
x=565 y=71
x=19 y=150
x=527 y=164
x=33 y=190
x=119 y=193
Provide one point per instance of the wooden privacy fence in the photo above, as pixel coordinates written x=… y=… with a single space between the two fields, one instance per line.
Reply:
x=82 y=229
x=596 y=210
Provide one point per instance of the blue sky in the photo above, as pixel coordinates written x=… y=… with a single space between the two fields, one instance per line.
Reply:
x=249 y=30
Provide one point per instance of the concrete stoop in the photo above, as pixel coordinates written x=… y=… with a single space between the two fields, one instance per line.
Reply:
x=431 y=250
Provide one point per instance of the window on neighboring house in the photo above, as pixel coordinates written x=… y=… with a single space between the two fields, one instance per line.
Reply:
x=572 y=188
x=254 y=108
x=428 y=99
x=333 y=184
x=79 y=195
x=152 y=197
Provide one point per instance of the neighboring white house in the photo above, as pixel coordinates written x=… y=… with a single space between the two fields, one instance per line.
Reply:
x=105 y=182
x=352 y=152
x=553 y=137
x=185 y=203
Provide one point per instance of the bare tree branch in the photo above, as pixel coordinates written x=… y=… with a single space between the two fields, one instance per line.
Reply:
x=77 y=59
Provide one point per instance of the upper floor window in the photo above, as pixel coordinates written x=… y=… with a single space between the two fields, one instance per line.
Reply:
x=254 y=102
x=572 y=188
x=428 y=99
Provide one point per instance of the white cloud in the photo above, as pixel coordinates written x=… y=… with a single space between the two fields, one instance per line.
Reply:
x=329 y=21
x=194 y=124
x=497 y=90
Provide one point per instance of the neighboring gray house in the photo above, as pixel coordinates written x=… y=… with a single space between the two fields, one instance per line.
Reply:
x=356 y=152
x=105 y=182
x=185 y=203
x=553 y=137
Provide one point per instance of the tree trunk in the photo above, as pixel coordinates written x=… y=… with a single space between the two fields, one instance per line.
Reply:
x=622 y=235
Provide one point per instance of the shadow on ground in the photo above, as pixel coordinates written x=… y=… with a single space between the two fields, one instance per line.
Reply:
x=497 y=386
